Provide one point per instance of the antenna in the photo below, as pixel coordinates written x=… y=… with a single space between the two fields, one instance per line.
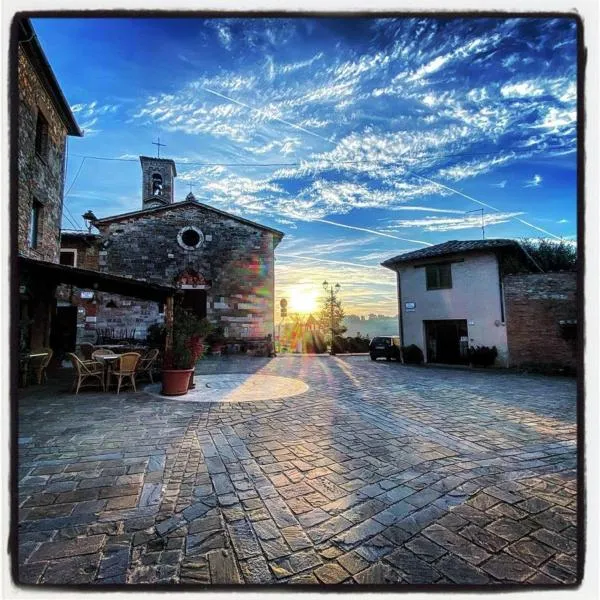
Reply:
x=482 y=221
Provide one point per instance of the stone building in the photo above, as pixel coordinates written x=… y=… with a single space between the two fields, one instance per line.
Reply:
x=43 y=122
x=222 y=264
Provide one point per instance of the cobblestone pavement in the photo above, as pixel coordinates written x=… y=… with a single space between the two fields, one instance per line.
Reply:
x=379 y=473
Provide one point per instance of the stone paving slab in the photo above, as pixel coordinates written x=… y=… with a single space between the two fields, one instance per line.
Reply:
x=342 y=471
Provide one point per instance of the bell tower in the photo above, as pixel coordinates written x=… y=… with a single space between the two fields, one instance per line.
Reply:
x=158 y=181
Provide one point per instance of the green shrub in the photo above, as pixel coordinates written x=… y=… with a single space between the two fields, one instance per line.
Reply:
x=482 y=356
x=156 y=335
x=412 y=354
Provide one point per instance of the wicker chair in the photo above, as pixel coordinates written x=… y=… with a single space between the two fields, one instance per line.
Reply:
x=146 y=364
x=126 y=367
x=86 y=369
x=86 y=350
x=39 y=367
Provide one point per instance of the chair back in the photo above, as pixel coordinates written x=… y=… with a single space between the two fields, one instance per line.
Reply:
x=46 y=360
x=151 y=355
x=86 y=350
x=128 y=362
x=77 y=364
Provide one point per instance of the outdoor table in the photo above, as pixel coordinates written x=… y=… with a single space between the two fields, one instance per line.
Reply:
x=110 y=346
x=107 y=360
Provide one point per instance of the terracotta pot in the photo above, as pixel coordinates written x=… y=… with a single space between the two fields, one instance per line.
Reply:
x=175 y=381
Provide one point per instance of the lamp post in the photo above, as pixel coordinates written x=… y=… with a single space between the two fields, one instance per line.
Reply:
x=89 y=218
x=332 y=291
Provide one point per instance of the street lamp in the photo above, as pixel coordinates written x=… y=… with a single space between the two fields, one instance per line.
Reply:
x=332 y=290
x=89 y=218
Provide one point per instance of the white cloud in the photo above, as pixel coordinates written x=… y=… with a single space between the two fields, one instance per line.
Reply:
x=450 y=224
x=523 y=89
x=534 y=182
x=500 y=184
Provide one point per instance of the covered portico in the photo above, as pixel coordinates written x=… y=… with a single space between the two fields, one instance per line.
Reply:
x=37 y=286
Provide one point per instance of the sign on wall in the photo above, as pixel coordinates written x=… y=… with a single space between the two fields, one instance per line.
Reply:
x=410 y=306
x=87 y=295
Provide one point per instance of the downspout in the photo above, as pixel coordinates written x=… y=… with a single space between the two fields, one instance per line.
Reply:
x=400 y=319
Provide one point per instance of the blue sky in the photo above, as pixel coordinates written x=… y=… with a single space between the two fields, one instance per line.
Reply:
x=359 y=138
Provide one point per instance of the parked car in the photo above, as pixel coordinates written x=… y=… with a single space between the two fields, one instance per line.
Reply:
x=385 y=346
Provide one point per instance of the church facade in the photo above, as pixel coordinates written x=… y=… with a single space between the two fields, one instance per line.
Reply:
x=221 y=264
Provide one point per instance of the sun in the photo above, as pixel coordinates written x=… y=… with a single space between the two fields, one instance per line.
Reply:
x=302 y=300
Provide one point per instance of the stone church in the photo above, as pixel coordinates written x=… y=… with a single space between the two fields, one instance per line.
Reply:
x=222 y=265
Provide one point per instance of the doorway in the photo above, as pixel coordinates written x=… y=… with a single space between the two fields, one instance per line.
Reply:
x=195 y=302
x=447 y=341
x=63 y=334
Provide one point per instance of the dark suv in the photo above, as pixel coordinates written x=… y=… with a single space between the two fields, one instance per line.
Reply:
x=385 y=346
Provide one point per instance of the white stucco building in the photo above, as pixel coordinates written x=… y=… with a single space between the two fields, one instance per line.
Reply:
x=450 y=297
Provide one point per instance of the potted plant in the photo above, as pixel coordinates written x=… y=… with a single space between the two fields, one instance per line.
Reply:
x=178 y=365
x=216 y=339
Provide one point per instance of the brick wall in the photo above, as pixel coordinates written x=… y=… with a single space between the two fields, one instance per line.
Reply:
x=39 y=177
x=535 y=303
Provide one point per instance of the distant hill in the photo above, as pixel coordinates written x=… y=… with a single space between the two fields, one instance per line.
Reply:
x=372 y=325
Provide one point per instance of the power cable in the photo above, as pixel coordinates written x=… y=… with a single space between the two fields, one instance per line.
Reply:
x=306 y=164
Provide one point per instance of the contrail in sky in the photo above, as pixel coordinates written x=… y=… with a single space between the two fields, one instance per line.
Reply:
x=326 y=260
x=484 y=204
x=262 y=112
x=395 y=237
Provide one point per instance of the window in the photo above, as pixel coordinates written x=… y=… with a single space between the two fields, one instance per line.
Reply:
x=41 y=135
x=34 y=223
x=439 y=277
x=68 y=257
x=190 y=238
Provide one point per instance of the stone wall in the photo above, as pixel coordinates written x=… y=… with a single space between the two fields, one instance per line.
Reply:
x=235 y=257
x=535 y=305
x=39 y=177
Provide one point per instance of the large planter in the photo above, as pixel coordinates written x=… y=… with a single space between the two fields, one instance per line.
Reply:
x=175 y=382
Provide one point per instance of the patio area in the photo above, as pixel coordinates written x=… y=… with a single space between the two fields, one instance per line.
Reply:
x=336 y=470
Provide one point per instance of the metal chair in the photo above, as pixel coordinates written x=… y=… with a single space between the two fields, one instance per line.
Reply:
x=146 y=364
x=86 y=369
x=126 y=367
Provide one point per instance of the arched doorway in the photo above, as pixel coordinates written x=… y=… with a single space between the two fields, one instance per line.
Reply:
x=193 y=286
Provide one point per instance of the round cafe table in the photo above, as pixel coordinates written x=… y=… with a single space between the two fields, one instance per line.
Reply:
x=107 y=360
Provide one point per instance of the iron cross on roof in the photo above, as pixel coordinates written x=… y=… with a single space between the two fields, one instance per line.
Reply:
x=158 y=145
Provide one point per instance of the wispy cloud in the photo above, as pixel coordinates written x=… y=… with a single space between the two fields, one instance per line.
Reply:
x=450 y=224
x=88 y=114
x=500 y=184
x=534 y=182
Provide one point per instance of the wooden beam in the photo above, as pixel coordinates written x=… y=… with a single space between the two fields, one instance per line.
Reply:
x=169 y=303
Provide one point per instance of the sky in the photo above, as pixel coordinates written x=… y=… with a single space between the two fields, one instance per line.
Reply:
x=358 y=138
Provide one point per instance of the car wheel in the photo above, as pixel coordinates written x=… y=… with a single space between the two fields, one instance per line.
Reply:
x=388 y=358
x=373 y=357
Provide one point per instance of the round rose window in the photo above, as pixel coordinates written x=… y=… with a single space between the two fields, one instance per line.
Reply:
x=190 y=238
